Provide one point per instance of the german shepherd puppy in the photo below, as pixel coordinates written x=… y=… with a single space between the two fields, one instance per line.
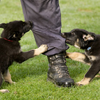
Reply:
x=90 y=42
x=10 y=49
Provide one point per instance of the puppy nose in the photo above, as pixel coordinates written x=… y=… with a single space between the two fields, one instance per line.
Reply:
x=63 y=34
x=30 y=23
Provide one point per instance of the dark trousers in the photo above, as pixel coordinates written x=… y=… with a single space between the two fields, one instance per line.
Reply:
x=46 y=16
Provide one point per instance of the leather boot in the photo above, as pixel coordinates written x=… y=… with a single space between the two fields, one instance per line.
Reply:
x=58 y=71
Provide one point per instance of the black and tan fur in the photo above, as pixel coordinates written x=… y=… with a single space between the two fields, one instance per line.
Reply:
x=10 y=49
x=90 y=42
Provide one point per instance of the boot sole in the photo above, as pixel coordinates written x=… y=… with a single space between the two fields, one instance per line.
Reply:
x=51 y=80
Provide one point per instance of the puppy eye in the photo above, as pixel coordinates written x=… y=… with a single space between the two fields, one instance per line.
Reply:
x=85 y=38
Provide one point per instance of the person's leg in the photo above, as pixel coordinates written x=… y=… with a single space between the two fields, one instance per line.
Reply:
x=45 y=14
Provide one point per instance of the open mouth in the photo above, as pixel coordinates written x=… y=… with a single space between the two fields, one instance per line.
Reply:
x=67 y=40
x=76 y=45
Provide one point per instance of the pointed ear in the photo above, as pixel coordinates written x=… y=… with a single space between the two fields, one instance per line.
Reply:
x=3 y=25
x=88 y=37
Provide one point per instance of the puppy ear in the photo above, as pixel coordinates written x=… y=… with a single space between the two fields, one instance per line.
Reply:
x=3 y=25
x=88 y=37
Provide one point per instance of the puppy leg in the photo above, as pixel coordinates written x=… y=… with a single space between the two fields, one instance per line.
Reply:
x=94 y=69
x=40 y=50
x=2 y=90
x=7 y=77
x=84 y=81
x=1 y=79
x=81 y=57
x=23 y=56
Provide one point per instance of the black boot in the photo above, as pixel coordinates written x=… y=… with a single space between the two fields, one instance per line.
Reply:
x=58 y=71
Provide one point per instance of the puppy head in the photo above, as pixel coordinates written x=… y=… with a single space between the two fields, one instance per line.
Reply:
x=15 y=30
x=79 y=38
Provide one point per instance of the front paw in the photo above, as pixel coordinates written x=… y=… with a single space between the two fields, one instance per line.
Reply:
x=10 y=82
x=4 y=90
x=40 y=50
x=13 y=83
x=78 y=84
x=43 y=47
x=67 y=55
x=81 y=83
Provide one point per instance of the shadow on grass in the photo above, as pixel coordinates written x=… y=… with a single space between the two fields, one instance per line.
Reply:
x=76 y=68
x=21 y=71
x=35 y=68
x=28 y=68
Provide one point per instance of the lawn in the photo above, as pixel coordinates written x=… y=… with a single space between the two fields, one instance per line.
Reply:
x=31 y=76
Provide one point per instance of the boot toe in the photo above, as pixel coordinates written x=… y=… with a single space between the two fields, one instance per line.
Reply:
x=65 y=82
x=69 y=84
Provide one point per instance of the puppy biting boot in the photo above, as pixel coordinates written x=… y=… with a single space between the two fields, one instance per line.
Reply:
x=58 y=72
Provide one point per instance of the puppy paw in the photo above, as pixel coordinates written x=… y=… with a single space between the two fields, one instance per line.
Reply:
x=81 y=83
x=78 y=84
x=4 y=90
x=67 y=55
x=41 y=49
x=10 y=82
x=84 y=81
x=13 y=83
x=97 y=76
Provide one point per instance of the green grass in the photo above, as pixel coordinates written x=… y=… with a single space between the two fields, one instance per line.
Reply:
x=31 y=76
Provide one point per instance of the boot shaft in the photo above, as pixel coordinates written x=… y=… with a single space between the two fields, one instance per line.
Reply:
x=57 y=58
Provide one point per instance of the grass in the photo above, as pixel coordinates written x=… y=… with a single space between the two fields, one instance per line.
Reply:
x=31 y=76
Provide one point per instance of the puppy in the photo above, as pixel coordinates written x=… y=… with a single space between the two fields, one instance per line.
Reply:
x=90 y=42
x=10 y=49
